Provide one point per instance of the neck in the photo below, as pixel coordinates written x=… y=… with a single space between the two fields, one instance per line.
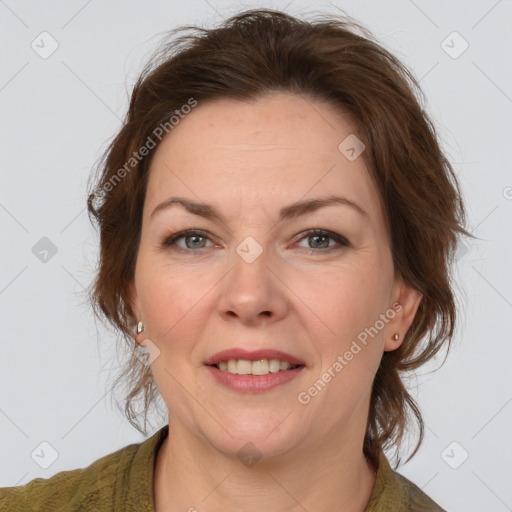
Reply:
x=190 y=474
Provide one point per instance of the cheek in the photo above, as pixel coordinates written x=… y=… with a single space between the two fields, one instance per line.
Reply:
x=170 y=296
x=346 y=305
x=346 y=296
x=348 y=356
x=175 y=311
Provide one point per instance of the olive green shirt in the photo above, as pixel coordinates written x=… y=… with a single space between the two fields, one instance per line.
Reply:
x=123 y=482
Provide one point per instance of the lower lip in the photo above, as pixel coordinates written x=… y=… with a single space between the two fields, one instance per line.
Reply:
x=254 y=383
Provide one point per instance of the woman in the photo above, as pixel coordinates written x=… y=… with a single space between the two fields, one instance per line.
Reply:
x=277 y=226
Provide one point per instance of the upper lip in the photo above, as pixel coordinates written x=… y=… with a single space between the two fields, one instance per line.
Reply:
x=253 y=355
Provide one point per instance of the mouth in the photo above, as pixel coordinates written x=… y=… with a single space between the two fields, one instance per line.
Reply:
x=258 y=376
x=239 y=361
x=256 y=367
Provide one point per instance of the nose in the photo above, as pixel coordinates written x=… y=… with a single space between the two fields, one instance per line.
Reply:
x=253 y=292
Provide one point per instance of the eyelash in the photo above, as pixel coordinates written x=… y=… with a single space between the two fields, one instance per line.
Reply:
x=171 y=241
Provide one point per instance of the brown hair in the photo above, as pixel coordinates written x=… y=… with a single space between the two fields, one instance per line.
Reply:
x=260 y=51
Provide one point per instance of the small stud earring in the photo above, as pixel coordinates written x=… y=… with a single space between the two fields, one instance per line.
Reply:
x=396 y=337
x=140 y=327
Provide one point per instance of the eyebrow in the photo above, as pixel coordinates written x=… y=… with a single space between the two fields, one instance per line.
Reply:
x=288 y=212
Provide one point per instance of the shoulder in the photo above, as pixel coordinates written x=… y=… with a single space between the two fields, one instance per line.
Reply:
x=97 y=487
x=394 y=491
x=92 y=486
x=415 y=498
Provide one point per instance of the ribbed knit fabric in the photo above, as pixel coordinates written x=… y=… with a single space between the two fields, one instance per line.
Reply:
x=123 y=482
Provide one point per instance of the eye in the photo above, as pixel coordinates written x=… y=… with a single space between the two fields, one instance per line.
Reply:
x=320 y=237
x=192 y=239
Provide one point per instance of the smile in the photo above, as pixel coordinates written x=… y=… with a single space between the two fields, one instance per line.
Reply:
x=258 y=367
x=254 y=383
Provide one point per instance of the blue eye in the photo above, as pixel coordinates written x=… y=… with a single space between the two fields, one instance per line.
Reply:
x=319 y=234
x=192 y=235
x=195 y=241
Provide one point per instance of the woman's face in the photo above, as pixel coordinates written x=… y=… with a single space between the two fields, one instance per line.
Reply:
x=254 y=280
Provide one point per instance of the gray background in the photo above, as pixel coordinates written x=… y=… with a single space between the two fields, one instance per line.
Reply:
x=58 y=113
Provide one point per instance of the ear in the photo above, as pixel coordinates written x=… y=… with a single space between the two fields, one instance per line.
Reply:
x=134 y=305
x=406 y=301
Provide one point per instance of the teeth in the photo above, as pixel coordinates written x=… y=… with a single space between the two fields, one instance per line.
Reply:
x=259 y=367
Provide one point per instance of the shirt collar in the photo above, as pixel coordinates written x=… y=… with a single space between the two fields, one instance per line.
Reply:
x=387 y=491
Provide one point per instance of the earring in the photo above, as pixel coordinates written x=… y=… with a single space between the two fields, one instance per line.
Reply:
x=140 y=327
x=396 y=337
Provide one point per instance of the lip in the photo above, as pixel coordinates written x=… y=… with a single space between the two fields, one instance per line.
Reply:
x=254 y=383
x=253 y=355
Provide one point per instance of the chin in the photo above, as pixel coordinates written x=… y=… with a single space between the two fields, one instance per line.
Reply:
x=254 y=438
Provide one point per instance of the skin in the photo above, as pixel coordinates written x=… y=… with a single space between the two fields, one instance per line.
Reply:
x=250 y=159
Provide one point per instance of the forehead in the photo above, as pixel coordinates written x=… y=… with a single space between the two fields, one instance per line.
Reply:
x=268 y=152
x=273 y=121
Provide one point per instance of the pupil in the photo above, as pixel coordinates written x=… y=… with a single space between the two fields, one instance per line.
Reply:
x=195 y=238
x=319 y=236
